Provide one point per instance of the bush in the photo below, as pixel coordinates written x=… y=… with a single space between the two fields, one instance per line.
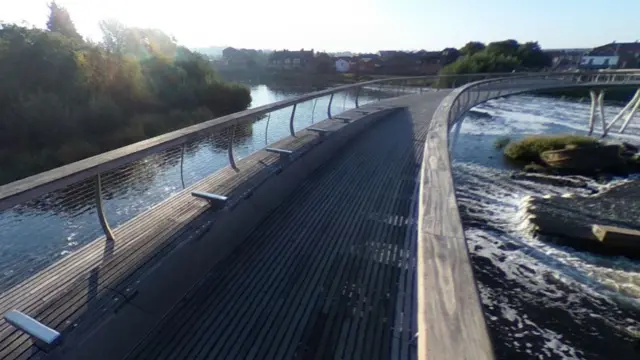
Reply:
x=63 y=99
x=530 y=148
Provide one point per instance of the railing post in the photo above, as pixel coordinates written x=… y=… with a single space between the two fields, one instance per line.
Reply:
x=592 y=113
x=266 y=131
x=293 y=114
x=100 y=210
x=630 y=116
x=313 y=111
x=232 y=161
x=601 y=105
x=329 y=107
x=182 y=166
x=634 y=101
x=357 y=94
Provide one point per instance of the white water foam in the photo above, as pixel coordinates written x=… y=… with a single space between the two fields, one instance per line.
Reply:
x=518 y=271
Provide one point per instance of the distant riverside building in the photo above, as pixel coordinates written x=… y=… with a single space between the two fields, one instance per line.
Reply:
x=286 y=59
x=566 y=59
x=342 y=65
x=612 y=56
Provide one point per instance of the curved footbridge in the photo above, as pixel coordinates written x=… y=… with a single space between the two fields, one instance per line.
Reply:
x=342 y=240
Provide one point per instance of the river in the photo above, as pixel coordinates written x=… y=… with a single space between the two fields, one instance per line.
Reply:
x=542 y=301
x=37 y=234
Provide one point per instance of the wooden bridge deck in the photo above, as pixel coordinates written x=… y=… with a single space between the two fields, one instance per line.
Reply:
x=330 y=274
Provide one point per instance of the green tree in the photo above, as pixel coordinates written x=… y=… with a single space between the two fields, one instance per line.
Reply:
x=471 y=48
x=532 y=56
x=506 y=47
x=60 y=22
x=62 y=100
x=450 y=55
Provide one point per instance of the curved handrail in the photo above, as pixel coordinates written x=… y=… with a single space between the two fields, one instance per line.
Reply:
x=31 y=187
x=36 y=185
x=449 y=307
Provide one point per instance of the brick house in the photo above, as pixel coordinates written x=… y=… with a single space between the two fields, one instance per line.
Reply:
x=613 y=56
x=290 y=60
x=566 y=59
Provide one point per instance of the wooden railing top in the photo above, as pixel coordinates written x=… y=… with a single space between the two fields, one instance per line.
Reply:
x=31 y=187
x=450 y=315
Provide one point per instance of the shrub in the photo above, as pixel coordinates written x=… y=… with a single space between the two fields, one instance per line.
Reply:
x=530 y=148
x=63 y=99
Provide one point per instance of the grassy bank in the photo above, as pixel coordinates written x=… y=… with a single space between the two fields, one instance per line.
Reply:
x=530 y=148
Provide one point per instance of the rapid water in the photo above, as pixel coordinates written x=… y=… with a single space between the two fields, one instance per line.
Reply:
x=541 y=300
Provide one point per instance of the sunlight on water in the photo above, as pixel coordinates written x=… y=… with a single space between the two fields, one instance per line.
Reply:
x=37 y=235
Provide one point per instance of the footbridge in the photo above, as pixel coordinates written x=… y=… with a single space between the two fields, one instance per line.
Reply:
x=265 y=234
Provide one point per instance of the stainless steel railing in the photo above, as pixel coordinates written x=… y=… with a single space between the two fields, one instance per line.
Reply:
x=48 y=215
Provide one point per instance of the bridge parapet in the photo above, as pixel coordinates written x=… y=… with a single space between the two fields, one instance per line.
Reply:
x=96 y=189
x=449 y=309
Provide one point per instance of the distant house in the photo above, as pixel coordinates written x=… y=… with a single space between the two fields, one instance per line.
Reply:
x=566 y=59
x=388 y=54
x=367 y=63
x=342 y=65
x=612 y=56
x=289 y=60
x=415 y=63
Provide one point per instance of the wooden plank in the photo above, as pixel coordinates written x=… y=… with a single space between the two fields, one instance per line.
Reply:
x=273 y=300
x=144 y=243
x=449 y=306
x=450 y=317
x=617 y=236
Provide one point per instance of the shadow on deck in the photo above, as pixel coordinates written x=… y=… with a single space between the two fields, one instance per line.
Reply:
x=330 y=274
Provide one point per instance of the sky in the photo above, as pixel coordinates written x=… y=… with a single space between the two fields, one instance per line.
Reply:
x=353 y=25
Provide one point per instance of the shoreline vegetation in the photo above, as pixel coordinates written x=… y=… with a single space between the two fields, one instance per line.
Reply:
x=64 y=98
x=571 y=155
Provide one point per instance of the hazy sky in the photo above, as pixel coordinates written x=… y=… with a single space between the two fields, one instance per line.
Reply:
x=356 y=25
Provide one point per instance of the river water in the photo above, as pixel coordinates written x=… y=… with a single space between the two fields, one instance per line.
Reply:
x=35 y=235
x=542 y=301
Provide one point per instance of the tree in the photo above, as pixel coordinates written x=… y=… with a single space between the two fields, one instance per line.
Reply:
x=507 y=48
x=324 y=64
x=472 y=47
x=62 y=100
x=60 y=22
x=450 y=55
x=532 y=56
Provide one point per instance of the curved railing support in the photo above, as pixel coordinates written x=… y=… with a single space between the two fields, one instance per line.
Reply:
x=100 y=210
x=293 y=114
x=232 y=161
x=182 y=165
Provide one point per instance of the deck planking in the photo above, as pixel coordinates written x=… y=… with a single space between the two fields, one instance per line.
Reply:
x=330 y=274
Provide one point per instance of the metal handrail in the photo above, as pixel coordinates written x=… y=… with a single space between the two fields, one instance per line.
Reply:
x=31 y=187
